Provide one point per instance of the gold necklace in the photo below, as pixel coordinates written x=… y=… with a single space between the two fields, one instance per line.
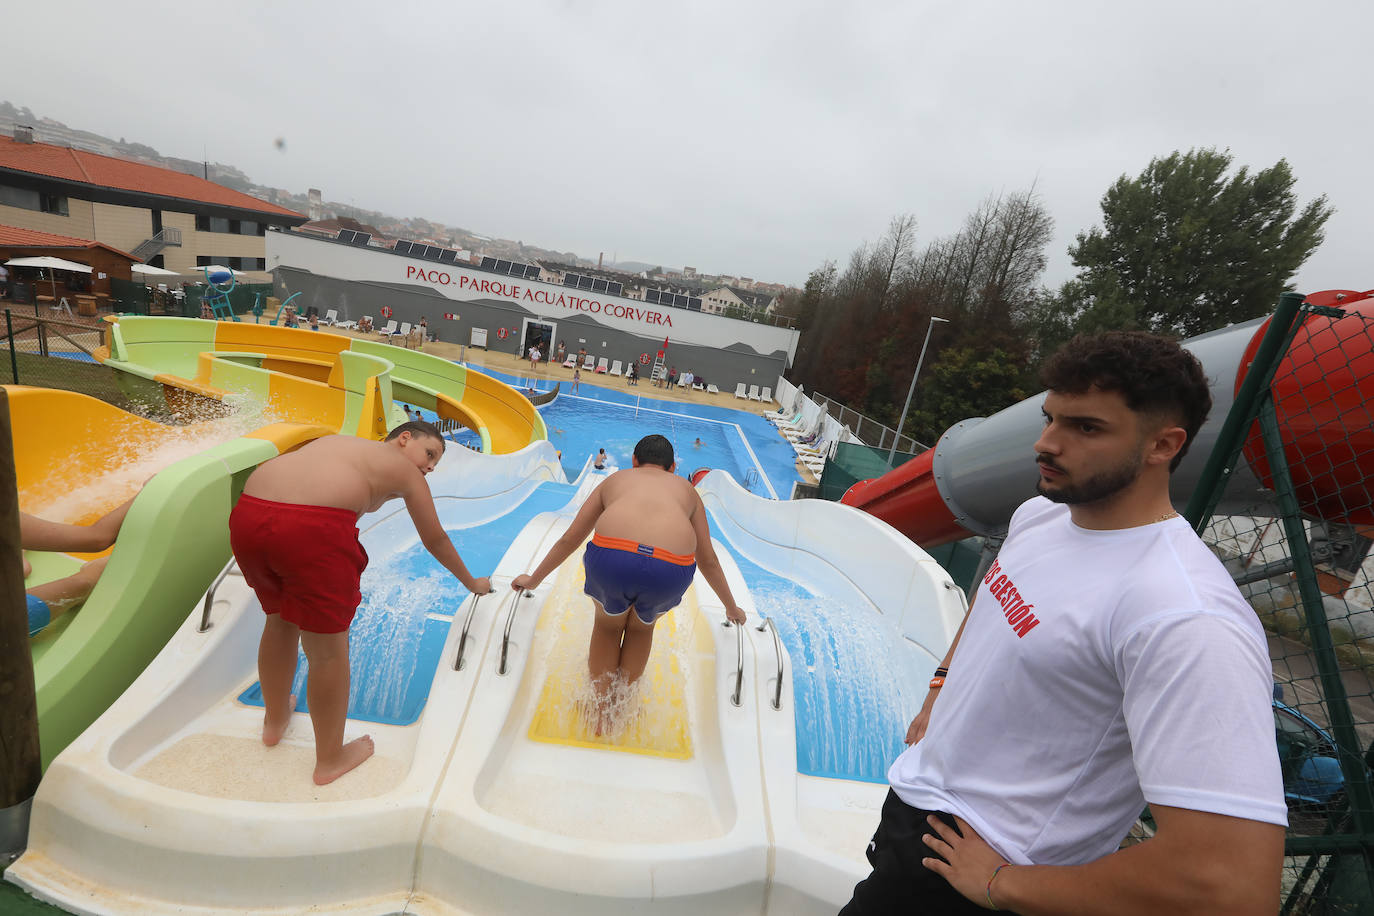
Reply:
x=1166 y=516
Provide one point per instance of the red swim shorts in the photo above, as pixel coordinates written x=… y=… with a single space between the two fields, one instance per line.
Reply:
x=304 y=562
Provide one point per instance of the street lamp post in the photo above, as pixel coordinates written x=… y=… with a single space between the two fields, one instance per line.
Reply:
x=912 y=390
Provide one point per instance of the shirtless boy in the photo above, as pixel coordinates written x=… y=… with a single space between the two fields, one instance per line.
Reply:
x=294 y=533
x=650 y=537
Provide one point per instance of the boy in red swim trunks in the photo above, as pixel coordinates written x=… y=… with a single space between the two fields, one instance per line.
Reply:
x=295 y=536
x=651 y=537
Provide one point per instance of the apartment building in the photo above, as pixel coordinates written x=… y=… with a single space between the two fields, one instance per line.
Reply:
x=163 y=217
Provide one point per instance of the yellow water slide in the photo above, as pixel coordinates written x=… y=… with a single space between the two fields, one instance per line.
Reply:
x=307 y=376
x=77 y=458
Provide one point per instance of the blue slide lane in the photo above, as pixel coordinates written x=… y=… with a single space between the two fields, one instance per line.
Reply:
x=850 y=722
x=409 y=601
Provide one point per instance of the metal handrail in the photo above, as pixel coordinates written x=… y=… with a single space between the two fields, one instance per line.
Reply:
x=768 y=624
x=463 y=636
x=210 y=596
x=510 y=621
x=739 y=660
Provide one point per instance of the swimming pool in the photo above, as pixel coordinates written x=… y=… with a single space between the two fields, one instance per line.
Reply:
x=732 y=440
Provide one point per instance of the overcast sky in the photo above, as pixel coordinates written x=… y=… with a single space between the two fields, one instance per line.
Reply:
x=749 y=138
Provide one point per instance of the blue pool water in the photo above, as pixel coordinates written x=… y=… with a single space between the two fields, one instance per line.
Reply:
x=408 y=605
x=733 y=440
x=851 y=711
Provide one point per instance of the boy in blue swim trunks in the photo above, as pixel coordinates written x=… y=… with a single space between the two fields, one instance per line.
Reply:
x=650 y=538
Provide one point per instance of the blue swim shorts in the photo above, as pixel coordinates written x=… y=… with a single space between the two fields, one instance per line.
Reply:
x=39 y=615
x=621 y=573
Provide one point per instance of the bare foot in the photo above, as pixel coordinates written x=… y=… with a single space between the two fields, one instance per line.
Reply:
x=353 y=753
x=272 y=731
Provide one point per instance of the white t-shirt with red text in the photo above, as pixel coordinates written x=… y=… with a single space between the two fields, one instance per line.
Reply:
x=1098 y=670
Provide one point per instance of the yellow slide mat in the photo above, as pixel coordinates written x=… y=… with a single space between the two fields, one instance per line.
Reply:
x=655 y=713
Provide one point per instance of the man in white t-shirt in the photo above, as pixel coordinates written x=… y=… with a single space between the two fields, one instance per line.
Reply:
x=1108 y=661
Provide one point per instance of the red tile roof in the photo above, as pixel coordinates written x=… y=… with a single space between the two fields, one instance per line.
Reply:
x=14 y=237
x=107 y=172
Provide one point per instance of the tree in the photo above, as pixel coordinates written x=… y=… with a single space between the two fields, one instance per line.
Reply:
x=1184 y=248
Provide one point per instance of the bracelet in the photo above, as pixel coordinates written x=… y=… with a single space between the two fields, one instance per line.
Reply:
x=936 y=682
x=995 y=872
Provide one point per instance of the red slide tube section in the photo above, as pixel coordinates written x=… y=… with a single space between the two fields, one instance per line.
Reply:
x=908 y=500
x=1324 y=399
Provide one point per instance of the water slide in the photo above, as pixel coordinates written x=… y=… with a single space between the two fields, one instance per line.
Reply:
x=309 y=376
x=980 y=470
x=745 y=777
x=76 y=458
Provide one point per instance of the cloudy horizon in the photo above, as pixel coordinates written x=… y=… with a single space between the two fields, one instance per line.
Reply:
x=755 y=140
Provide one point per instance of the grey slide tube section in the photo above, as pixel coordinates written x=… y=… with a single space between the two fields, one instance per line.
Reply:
x=985 y=467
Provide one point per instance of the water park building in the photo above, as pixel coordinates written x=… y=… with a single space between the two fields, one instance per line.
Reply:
x=510 y=306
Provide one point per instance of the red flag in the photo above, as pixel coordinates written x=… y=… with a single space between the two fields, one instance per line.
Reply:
x=665 y=343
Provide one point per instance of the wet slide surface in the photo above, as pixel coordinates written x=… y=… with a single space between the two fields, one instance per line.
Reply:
x=408 y=604
x=310 y=376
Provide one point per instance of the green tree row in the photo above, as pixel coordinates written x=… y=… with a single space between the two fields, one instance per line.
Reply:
x=1189 y=245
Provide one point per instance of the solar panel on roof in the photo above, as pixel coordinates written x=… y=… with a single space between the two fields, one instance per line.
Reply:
x=402 y=247
x=502 y=267
x=651 y=295
x=680 y=301
x=433 y=253
x=694 y=304
x=448 y=256
x=532 y=271
x=614 y=288
x=585 y=282
x=346 y=236
x=571 y=279
x=361 y=238
x=598 y=286
x=488 y=262
x=517 y=270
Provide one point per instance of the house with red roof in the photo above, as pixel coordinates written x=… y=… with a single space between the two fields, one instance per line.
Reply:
x=163 y=217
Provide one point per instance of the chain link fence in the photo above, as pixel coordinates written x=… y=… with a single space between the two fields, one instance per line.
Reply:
x=1301 y=555
x=55 y=353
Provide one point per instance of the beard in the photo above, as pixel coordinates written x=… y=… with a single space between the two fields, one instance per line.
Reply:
x=1097 y=487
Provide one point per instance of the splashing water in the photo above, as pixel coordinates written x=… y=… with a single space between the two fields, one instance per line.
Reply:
x=106 y=472
x=856 y=683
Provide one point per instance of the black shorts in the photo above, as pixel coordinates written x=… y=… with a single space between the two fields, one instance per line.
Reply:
x=899 y=883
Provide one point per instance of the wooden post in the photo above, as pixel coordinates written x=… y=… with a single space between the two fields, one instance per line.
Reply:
x=20 y=767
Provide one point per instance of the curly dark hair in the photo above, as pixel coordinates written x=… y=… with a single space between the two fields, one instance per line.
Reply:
x=655 y=449
x=418 y=428
x=1153 y=374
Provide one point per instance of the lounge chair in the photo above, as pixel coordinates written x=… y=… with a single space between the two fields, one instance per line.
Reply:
x=792 y=422
x=682 y=381
x=712 y=389
x=346 y=324
x=753 y=392
x=589 y=363
x=739 y=391
x=405 y=329
x=615 y=367
x=767 y=395
x=570 y=362
x=331 y=317
x=697 y=385
x=602 y=365
x=389 y=329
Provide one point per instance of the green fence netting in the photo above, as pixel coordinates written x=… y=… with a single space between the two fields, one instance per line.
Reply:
x=1298 y=547
x=853 y=462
